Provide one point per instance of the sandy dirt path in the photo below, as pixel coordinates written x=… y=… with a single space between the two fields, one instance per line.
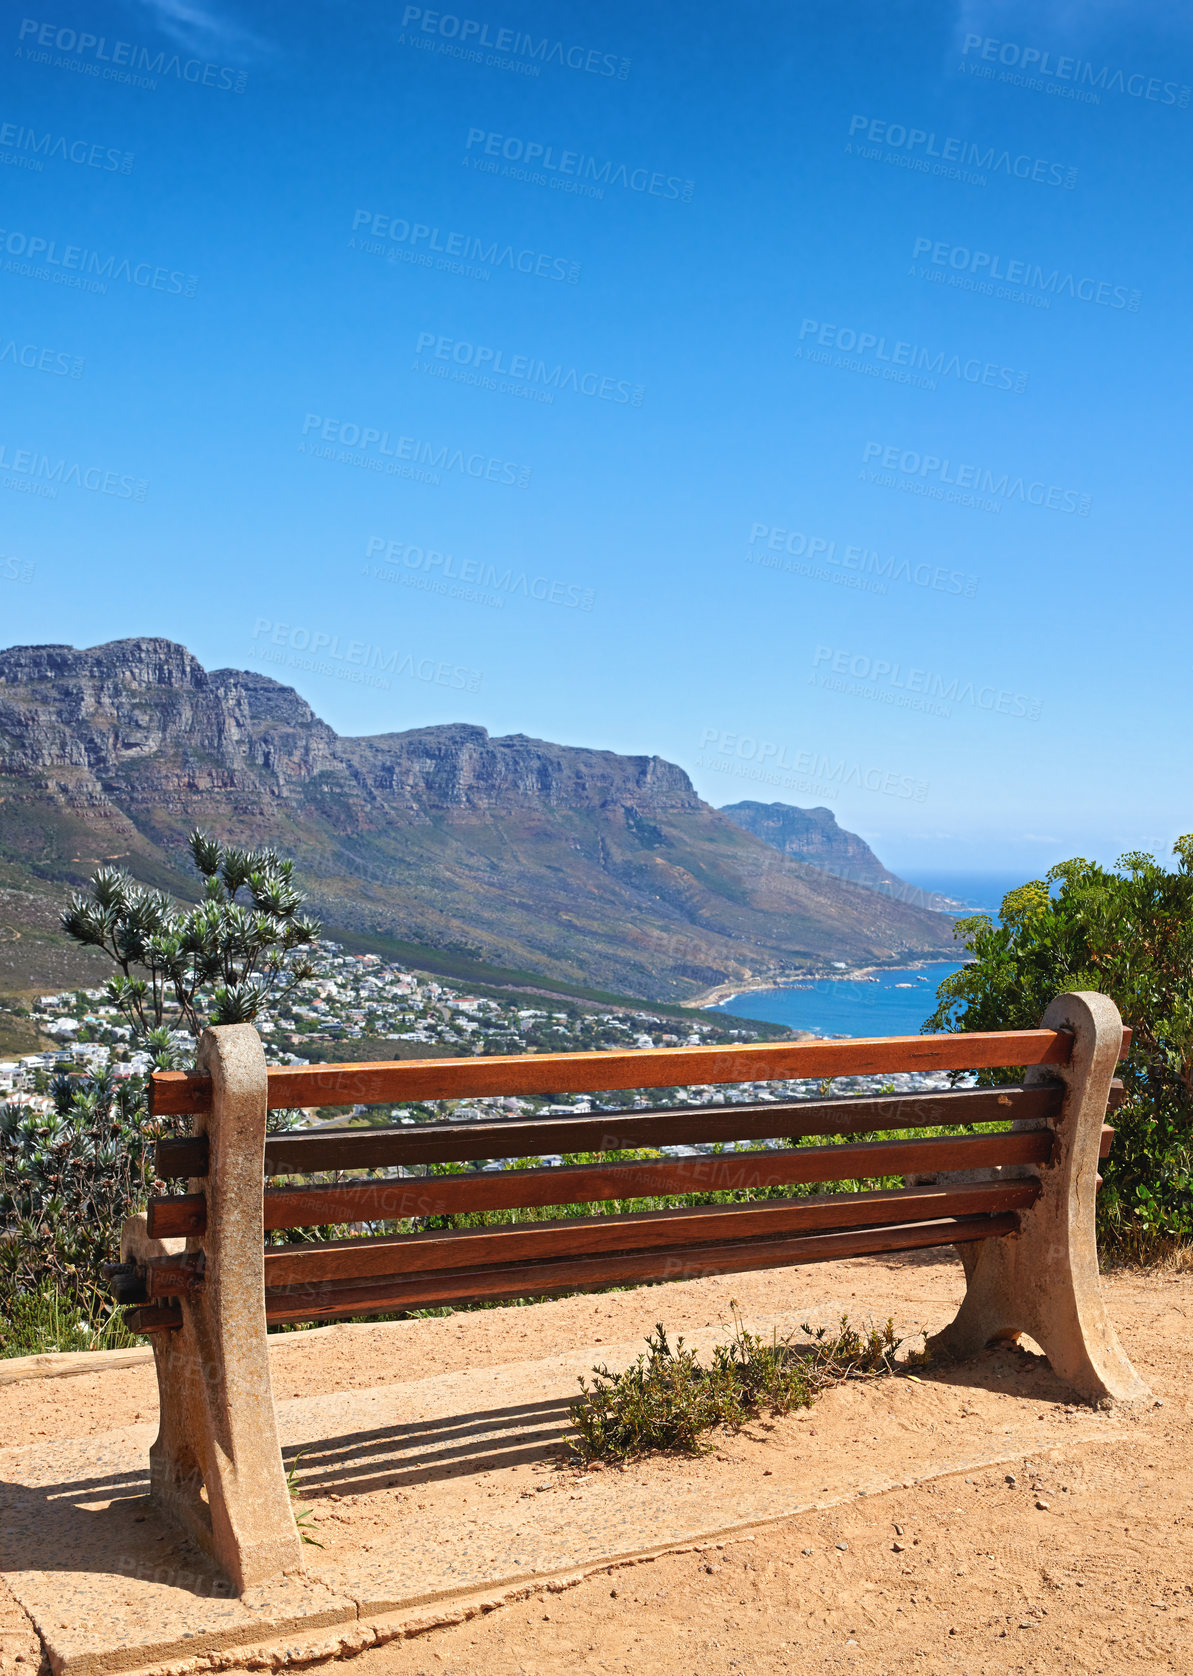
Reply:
x=1079 y=1559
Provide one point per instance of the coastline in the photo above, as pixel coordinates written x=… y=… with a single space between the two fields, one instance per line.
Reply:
x=721 y=994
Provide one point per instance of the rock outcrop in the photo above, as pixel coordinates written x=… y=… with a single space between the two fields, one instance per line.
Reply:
x=812 y=835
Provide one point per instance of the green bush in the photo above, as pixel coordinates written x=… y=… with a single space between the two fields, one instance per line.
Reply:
x=69 y=1177
x=47 y=1319
x=217 y=963
x=1128 y=933
x=668 y=1400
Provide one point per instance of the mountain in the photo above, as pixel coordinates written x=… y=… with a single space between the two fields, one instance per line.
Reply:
x=812 y=835
x=578 y=864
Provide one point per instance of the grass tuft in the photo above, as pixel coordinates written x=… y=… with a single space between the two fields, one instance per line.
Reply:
x=668 y=1400
x=47 y=1319
x=302 y=1515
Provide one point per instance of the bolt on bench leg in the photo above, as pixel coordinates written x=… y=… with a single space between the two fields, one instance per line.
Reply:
x=1043 y=1281
x=218 y=1432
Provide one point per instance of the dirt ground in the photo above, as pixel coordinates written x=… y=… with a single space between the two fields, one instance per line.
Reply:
x=1079 y=1559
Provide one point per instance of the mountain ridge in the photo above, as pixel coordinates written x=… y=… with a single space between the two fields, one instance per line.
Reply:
x=583 y=864
x=813 y=835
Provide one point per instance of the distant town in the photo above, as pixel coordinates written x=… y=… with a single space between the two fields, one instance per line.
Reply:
x=363 y=997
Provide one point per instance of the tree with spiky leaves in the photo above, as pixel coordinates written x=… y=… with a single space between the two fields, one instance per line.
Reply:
x=68 y=1178
x=219 y=962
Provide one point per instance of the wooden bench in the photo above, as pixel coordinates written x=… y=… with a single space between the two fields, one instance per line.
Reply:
x=1018 y=1203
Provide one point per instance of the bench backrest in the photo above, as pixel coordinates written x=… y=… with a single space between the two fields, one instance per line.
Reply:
x=334 y=1278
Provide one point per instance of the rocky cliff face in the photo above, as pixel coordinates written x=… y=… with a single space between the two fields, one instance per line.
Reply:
x=602 y=869
x=459 y=768
x=812 y=835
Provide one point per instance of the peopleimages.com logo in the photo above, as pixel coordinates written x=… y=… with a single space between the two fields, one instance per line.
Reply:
x=572 y=168
x=896 y=354
x=13 y=569
x=41 y=475
x=987 y=265
x=123 y=61
x=913 y=689
x=471 y=35
x=87 y=270
x=357 y=660
x=347 y=439
x=864 y=561
x=394 y=236
x=922 y=148
x=527 y=372
x=441 y=573
x=760 y=759
x=34 y=148
x=1035 y=62
x=929 y=471
x=57 y=362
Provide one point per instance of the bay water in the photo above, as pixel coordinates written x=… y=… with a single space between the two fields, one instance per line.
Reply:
x=894 y=1001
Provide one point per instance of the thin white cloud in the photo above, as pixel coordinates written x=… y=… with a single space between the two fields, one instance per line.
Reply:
x=1076 y=23
x=195 y=25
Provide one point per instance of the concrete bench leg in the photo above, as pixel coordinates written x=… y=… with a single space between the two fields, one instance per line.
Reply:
x=1043 y=1281
x=217 y=1464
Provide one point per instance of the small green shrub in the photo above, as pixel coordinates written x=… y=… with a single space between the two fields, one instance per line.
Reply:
x=668 y=1400
x=1129 y=933
x=47 y=1319
x=302 y=1515
x=68 y=1178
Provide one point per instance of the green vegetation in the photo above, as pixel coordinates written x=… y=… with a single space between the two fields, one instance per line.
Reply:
x=218 y=963
x=69 y=1177
x=302 y=1515
x=504 y=983
x=35 y=1322
x=669 y=1400
x=1128 y=933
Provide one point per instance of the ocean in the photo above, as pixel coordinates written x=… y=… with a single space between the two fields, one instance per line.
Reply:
x=895 y=1003
x=976 y=890
x=899 y=1001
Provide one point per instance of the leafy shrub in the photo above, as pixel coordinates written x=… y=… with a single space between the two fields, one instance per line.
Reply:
x=69 y=1177
x=46 y=1319
x=667 y=1400
x=1128 y=933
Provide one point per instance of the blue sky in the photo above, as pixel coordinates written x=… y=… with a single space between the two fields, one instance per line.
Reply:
x=798 y=393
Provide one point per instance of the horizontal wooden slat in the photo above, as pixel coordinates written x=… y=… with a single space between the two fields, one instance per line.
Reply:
x=175 y=1093
x=520 y=1280
x=484 y=1190
x=350 y=1260
x=475 y=1190
x=397 y=1255
x=152 y=1318
x=304 y=1152
x=526 y=1280
x=180 y=1215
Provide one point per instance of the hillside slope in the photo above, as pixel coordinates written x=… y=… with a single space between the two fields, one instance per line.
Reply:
x=580 y=864
x=812 y=835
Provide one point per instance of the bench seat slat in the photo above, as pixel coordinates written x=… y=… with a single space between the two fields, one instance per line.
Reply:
x=180 y=1092
x=523 y=1280
x=303 y=1152
x=476 y=1190
x=348 y=1260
